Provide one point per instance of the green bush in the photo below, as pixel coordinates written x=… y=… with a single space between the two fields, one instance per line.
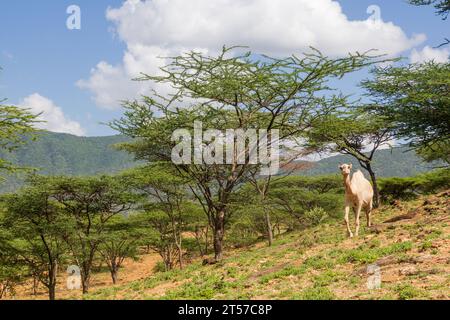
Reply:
x=409 y=188
x=316 y=216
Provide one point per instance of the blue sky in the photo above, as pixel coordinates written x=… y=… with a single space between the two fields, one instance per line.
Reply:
x=39 y=55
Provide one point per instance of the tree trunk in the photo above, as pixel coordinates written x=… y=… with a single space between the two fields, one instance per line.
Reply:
x=180 y=255
x=52 y=281
x=114 y=275
x=376 y=194
x=206 y=240
x=35 y=285
x=269 y=229
x=219 y=231
x=85 y=283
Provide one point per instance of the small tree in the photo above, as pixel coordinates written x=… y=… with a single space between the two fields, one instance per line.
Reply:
x=230 y=91
x=12 y=271
x=415 y=99
x=89 y=204
x=300 y=196
x=119 y=242
x=36 y=222
x=164 y=192
x=157 y=231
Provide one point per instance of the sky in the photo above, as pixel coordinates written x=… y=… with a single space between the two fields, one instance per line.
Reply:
x=77 y=78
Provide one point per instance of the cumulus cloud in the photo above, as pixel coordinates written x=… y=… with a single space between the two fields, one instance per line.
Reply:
x=156 y=28
x=52 y=116
x=430 y=54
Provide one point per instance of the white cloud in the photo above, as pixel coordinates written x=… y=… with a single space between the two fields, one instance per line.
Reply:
x=429 y=54
x=54 y=118
x=168 y=27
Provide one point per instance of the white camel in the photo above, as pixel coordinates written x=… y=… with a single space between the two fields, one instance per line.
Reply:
x=358 y=195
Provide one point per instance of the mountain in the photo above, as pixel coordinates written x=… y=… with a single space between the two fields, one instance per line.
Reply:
x=64 y=154
x=396 y=162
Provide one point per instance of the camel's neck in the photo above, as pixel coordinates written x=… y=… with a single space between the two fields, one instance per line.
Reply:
x=348 y=184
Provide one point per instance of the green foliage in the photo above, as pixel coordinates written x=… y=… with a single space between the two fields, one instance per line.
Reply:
x=167 y=211
x=12 y=271
x=120 y=241
x=442 y=6
x=38 y=226
x=285 y=272
x=201 y=287
x=410 y=188
x=366 y=255
x=297 y=196
x=416 y=100
x=316 y=216
x=14 y=124
x=407 y=292
x=318 y=293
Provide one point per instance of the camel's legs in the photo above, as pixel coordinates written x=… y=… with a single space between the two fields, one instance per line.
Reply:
x=358 y=214
x=347 y=212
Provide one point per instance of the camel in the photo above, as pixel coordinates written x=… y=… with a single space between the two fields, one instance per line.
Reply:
x=358 y=195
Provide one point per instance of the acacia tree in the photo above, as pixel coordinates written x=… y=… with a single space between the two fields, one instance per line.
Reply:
x=230 y=91
x=120 y=241
x=164 y=192
x=38 y=227
x=415 y=99
x=262 y=186
x=15 y=123
x=89 y=204
x=12 y=270
x=353 y=132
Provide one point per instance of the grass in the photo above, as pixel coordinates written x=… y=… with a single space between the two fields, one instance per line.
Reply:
x=407 y=292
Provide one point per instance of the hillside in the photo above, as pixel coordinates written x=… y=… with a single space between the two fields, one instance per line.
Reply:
x=318 y=263
x=397 y=162
x=63 y=154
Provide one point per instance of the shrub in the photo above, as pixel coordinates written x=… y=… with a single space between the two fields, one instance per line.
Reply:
x=407 y=292
x=316 y=216
x=409 y=188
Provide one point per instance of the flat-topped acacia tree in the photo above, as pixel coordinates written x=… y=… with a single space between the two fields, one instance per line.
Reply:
x=229 y=91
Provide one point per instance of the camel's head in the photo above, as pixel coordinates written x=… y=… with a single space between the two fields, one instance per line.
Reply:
x=346 y=168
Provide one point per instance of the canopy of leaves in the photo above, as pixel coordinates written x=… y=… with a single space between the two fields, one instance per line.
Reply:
x=14 y=124
x=416 y=100
x=442 y=6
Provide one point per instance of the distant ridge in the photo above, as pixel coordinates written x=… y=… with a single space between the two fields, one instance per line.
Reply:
x=64 y=154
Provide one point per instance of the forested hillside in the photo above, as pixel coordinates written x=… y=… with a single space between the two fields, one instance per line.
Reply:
x=64 y=154
x=396 y=162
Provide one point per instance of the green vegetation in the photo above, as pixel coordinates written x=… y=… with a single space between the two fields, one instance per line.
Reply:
x=14 y=124
x=418 y=112
x=410 y=188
